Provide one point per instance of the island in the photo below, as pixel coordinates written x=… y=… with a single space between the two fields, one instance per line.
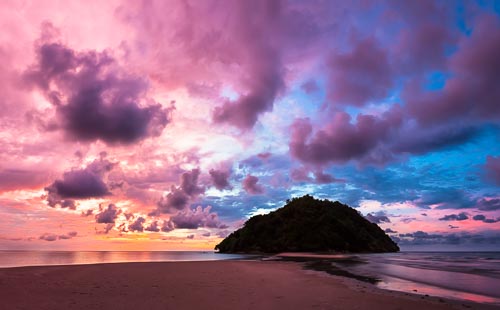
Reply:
x=307 y=224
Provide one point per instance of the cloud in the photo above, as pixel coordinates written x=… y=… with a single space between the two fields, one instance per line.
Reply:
x=94 y=98
x=310 y=87
x=48 y=237
x=361 y=75
x=194 y=218
x=491 y=204
x=167 y=226
x=220 y=179
x=482 y=218
x=241 y=45
x=12 y=179
x=54 y=237
x=80 y=184
x=189 y=183
x=455 y=217
x=137 y=225
x=153 y=227
x=445 y=198
x=107 y=215
x=250 y=185
x=179 y=197
x=378 y=217
x=470 y=94
x=69 y=235
x=244 y=112
x=341 y=140
x=303 y=174
x=462 y=238
x=390 y=231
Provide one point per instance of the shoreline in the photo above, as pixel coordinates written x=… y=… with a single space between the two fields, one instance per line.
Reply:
x=228 y=284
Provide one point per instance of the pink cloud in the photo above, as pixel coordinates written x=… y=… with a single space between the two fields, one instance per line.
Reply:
x=472 y=93
x=180 y=196
x=194 y=218
x=341 y=140
x=251 y=186
x=361 y=75
x=220 y=179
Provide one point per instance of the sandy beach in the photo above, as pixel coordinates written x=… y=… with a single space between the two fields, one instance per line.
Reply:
x=199 y=285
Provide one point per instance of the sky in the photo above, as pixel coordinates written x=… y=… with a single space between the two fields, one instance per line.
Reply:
x=164 y=125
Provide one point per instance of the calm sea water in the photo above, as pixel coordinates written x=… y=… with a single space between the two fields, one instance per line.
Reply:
x=471 y=276
x=44 y=258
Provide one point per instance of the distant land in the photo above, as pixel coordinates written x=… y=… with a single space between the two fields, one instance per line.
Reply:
x=307 y=224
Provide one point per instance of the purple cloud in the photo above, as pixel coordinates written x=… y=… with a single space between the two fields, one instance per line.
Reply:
x=153 y=227
x=361 y=75
x=378 y=217
x=80 y=184
x=303 y=174
x=250 y=185
x=341 y=140
x=48 y=237
x=471 y=94
x=220 y=179
x=107 y=215
x=310 y=87
x=179 y=197
x=483 y=219
x=492 y=204
x=137 y=225
x=54 y=237
x=94 y=98
x=12 y=179
x=455 y=217
x=199 y=217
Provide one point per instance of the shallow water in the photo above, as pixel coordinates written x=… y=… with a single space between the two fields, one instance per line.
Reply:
x=473 y=276
x=44 y=258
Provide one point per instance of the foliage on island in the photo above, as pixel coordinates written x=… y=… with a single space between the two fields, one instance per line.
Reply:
x=307 y=224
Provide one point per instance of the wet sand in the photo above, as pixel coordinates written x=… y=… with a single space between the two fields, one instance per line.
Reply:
x=199 y=285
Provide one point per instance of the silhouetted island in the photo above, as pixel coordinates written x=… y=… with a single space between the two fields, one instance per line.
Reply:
x=307 y=224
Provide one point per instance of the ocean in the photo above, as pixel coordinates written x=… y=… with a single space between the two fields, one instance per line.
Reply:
x=45 y=258
x=473 y=276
